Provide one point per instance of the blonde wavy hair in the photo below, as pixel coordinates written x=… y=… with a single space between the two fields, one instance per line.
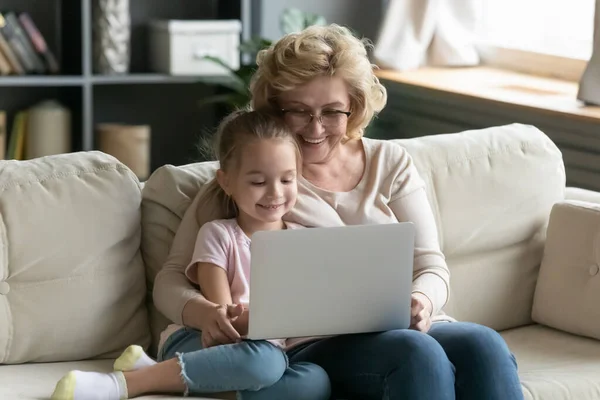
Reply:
x=331 y=50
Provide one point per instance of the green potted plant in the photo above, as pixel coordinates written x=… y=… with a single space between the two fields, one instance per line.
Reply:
x=235 y=86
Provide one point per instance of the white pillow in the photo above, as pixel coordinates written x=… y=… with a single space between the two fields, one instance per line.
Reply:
x=72 y=282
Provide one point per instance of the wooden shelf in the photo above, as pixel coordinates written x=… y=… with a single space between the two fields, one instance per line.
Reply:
x=516 y=89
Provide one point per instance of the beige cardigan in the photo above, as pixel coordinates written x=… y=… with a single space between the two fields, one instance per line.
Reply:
x=391 y=190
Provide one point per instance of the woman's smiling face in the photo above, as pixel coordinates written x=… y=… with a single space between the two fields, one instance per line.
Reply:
x=328 y=100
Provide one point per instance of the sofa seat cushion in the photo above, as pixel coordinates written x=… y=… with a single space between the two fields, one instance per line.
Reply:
x=37 y=381
x=72 y=281
x=555 y=365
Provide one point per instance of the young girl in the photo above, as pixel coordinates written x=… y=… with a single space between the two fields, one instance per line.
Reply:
x=256 y=183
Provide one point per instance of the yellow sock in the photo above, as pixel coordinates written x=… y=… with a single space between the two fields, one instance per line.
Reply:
x=65 y=388
x=133 y=358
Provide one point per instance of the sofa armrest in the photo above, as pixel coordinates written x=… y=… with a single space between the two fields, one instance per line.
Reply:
x=568 y=288
x=590 y=196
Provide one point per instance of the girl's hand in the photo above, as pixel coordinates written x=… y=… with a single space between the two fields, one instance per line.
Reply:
x=420 y=313
x=241 y=323
x=218 y=328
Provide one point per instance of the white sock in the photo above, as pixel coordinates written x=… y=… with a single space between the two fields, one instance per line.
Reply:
x=133 y=358
x=79 y=385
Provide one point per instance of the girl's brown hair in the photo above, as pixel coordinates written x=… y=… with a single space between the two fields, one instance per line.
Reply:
x=234 y=133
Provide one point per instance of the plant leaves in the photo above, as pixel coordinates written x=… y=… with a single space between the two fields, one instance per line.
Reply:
x=254 y=45
x=235 y=82
x=233 y=100
x=294 y=20
x=314 y=19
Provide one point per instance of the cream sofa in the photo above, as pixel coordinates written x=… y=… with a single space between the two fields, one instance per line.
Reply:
x=81 y=241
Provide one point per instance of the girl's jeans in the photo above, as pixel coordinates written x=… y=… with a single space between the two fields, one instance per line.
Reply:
x=253 y=369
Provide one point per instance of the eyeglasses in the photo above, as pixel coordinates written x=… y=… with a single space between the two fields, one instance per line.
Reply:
x=327 y=118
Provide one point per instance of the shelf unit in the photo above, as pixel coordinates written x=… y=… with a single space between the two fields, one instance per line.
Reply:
x=169 y=104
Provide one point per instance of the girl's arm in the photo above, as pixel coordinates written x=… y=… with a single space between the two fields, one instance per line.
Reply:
x=214 y=283
x=216 y=290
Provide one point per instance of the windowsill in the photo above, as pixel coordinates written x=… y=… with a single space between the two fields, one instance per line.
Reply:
x=547 y=95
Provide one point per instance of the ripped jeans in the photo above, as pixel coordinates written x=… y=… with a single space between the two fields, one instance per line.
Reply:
x=256 y=370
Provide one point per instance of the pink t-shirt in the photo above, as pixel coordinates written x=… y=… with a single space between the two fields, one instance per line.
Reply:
x=223 y=243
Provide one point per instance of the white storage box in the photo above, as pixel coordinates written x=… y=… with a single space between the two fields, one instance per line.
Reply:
x=179 y=47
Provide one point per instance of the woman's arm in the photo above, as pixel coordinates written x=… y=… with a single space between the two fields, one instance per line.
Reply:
x=173 y=294
x=431 y=275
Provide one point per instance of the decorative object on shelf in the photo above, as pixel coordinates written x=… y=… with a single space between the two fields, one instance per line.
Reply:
x=589 y=85
x=237 y=86
x=129 y=144
x=48 y=128
x=181 y=47
x=112 y=37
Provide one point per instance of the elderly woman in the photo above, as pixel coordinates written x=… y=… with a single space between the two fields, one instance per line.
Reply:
x=323 y=84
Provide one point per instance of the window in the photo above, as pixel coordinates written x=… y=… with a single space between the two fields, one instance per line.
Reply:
x=554 y=27
x=558 y=32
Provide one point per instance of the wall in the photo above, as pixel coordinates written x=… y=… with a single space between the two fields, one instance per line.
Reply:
x=360 y=15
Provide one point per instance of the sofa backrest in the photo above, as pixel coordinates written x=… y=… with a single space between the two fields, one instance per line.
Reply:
x=491 y=191
x=72 y=281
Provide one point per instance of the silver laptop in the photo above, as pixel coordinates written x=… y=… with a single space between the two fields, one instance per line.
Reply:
x=330 y=281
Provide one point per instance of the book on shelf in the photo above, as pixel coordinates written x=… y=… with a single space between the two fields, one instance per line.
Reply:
x=7 y=30
x=11 y=57
x=36 y=62
x=5 y=68
x=24 y=47
x=2 y=134
x=39 y=43
x=16 y=143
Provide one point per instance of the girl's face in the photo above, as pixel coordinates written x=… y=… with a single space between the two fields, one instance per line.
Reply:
x=326 y=96
x=264 y=186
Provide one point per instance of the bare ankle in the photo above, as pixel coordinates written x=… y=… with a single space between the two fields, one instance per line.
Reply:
x=164 y=377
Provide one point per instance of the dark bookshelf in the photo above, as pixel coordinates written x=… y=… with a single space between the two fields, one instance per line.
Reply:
x=169 y=104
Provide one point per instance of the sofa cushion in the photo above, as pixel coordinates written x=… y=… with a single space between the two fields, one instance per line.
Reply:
x=568 y=288
x=491 y=191
x=555 y=365
x=37 y=381
x=166 y=196
x=71 y=274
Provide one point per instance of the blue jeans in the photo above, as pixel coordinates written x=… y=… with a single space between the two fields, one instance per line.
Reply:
x=455 y=360
x=256 y=370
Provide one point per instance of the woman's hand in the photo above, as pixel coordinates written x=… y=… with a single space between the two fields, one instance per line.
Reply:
x=420 y=313
x=218 y=326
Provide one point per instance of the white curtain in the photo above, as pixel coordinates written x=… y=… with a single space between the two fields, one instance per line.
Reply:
x=589 y=86
x=417 y=33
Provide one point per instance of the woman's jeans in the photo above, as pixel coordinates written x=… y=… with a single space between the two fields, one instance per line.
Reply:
x=455 y=360
x=253 y=369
